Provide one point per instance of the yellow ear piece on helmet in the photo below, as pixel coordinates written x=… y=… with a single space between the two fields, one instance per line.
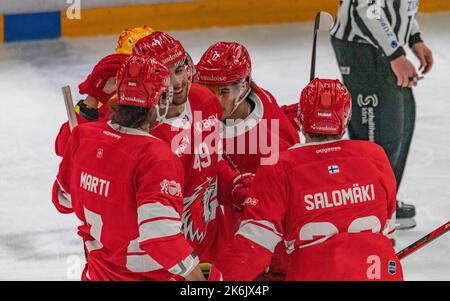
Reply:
x=129 y=37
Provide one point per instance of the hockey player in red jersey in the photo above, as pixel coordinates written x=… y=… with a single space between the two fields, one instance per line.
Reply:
x=100 y=84
x=332 y=201
x=126 y=185
x=191 y=129
x=255 y=130
x=255 y=127
x=99 y=87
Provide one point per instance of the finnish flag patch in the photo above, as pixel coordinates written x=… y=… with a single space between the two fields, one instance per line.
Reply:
x=332 y=169
x=392 y=267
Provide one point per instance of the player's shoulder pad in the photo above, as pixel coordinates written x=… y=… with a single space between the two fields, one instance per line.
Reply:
x=264 y=94
x=89 y=127
x=202 y=99
x=82 y=128
x=370 y=148
x=156 y=150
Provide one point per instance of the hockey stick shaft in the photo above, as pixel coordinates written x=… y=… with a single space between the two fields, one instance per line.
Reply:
x=424 y=240
x=68 y=102
x=313 y=56
x=323 y=22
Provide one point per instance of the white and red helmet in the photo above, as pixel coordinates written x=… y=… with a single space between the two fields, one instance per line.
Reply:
x=143 y=82
x=223 y=63
x=325 y=107
x=161 y=46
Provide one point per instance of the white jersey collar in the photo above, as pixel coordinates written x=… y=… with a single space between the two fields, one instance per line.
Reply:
x=314 y=143
x=234 y=128
x=182 y=121
x=128 y=131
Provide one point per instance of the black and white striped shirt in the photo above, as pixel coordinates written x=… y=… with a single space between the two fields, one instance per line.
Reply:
x=389 y=25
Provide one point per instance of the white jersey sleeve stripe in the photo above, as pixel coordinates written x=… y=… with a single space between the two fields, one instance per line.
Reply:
x=261 y=232
x=155 y=210
x=139 y=261
x=159 y=229
x=389 y=228
x=186 y=266
x=142 y=263
x=64 y=199
x=266 y=224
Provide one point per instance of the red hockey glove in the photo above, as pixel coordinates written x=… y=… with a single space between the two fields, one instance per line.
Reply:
x=211 y=272
x=241 y=189
x=105 y=69
x=292 y=112
x=233 y=186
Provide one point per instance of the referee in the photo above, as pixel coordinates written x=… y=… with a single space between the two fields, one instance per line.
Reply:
x=368 y=38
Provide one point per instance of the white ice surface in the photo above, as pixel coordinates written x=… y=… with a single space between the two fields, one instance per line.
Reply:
x=36 y=242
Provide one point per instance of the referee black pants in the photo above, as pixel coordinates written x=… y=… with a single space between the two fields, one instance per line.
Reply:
x=382 y=112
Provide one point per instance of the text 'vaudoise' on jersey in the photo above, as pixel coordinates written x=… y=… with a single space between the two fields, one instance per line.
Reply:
x=126 y=188
x=333 y=204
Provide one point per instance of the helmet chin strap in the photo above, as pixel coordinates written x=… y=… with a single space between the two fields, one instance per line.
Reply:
x=241 y=99
x=161 y=117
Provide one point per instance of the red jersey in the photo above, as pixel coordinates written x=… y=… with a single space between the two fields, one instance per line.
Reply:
x=258 y=139
x=64 y=131
x=334 y=206
x=126 y=188
x=195 y=138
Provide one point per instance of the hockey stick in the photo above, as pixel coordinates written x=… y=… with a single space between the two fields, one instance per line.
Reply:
x=68 y=102
x=324 y=22
x=424 y=240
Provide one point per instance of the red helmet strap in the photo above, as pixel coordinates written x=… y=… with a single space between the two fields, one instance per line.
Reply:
x=168 y=102
x=242 y=96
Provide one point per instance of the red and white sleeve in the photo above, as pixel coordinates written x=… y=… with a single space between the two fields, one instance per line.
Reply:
x=261 y=229
x=61 y=196
x=391 y=192
x=160 y=206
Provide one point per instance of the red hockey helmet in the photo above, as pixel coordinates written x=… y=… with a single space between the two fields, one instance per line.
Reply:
x=223 y=63
x=143 y=82
x=161 y=46
x=325 y=107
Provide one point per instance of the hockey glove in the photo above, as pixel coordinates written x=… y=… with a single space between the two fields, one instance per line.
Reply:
x=105 y=69
x=234 y=187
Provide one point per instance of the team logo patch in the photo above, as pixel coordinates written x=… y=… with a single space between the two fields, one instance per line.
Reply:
x=251 y=201
x=394 y=44
x=100 y=153
x=332 y=169
x=171 y=187
x=392 y=267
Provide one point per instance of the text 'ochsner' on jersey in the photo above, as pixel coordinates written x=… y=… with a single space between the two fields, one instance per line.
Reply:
x=340 y=197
